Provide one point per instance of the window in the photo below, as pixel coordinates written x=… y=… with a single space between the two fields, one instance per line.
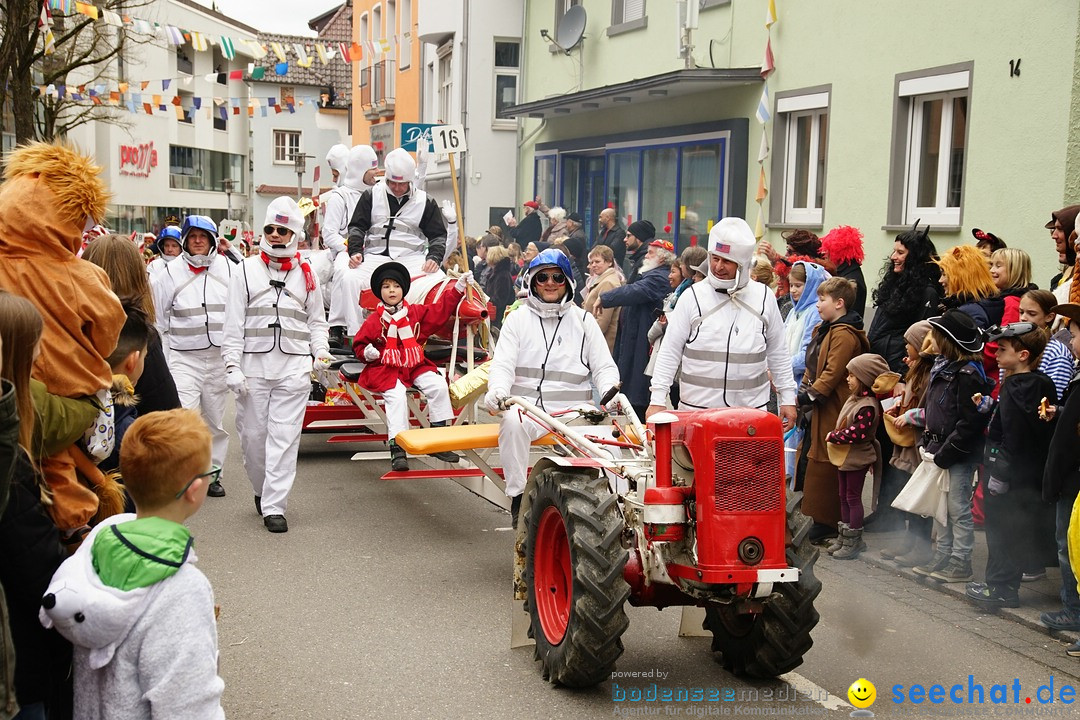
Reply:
x=364 y=35
x=800 y=139
x=391 y=27
x=187 y=102
x=627 y=11
x=544 y=185
x=183 y=62
x=930 y=140
x=198 y=169
x=286 y=144
x=446 y=82
x=507 y=62
x=405 y=46
x=288 y=95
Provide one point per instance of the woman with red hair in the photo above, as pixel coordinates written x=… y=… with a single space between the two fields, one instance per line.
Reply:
x=843 y=246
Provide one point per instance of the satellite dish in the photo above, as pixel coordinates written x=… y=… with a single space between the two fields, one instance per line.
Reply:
x=571 y=28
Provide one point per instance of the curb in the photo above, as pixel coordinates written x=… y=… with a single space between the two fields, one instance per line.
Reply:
x=1028 y=619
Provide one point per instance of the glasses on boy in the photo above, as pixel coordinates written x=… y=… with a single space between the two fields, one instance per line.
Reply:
x=214 y=473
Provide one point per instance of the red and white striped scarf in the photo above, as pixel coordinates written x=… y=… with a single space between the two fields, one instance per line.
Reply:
x=287 y=264
x=401 y=348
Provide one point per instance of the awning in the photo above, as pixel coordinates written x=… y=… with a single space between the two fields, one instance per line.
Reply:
x=649 y=89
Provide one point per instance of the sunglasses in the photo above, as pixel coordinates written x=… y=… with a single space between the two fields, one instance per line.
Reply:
x=214 y=473
x=557 y=278
x=275 y=230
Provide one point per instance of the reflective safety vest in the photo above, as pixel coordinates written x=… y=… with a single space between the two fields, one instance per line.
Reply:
x=552 y=362
x=276 y=315
x=396 y=235
x=724 y=362
x=198 y=304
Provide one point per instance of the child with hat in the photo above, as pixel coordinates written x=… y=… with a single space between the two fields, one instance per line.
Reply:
x=391 y=341
x=954 y=437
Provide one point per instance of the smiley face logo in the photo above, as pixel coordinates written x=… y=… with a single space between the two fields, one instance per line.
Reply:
x=862 y=693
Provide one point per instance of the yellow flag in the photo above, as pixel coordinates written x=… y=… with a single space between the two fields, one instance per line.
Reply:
x=770 y=17
x=759 y=226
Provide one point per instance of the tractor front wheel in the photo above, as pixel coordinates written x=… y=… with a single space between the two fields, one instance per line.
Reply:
x=773 y=642
x=574 y=573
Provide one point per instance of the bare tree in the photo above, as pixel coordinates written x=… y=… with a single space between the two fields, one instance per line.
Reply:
x=86 y=51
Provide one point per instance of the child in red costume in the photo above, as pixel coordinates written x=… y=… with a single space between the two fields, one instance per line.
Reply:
x=391 y=341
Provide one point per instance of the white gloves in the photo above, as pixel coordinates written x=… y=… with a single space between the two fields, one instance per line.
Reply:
x=323 y=360
x=494 y=400
x=235 y=381
x=464 y=280
x=449 y=212
x=371 y=353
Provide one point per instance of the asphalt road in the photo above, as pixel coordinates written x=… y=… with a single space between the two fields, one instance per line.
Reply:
x=392 y=600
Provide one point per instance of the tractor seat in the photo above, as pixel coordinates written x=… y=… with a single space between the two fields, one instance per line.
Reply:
x=351 y=370
x=425 y=441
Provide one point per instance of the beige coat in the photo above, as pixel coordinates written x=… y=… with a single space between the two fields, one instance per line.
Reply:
x=609 y=318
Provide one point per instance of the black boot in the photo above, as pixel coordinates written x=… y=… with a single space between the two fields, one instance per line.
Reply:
x=446 y=455
x=399 y=461
x=515 y=508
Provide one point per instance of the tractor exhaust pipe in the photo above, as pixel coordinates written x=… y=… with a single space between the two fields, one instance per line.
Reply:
x=661 y=423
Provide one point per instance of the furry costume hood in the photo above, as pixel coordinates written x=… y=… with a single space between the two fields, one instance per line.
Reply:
x=843 y=244
x=41 y=177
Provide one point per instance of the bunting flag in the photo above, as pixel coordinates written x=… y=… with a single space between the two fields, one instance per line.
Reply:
x=278 y=50
x=384 y=46
x=257 y=48
x=763 y=151
x=142 y=26
x=301 y=53
x=768 y=64
x=281 y=68
x=236 y=74
x=763 y=114
x=111 y=18
x=174 y=35
x=86 y=9
x=368 y=46
x=228 y=49
x=165 y=85
x=258 y=73
x=321 y=52
x=770 y=15
x=64 y=6
x=762 y=191
x=345 y=52
x=45 y=21
x=198 y=41
x=759 y=226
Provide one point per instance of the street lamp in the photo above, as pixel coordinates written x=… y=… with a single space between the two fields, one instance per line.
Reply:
x=228 y=185
x=300 y=165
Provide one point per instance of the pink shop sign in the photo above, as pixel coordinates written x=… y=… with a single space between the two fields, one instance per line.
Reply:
x=138 y=160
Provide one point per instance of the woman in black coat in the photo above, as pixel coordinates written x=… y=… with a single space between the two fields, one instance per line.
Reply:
x=910 y=286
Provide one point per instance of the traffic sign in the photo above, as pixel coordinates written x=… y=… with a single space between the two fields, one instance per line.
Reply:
x=448 y=139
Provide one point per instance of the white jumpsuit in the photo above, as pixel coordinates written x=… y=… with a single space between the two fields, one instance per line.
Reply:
x=190 y=309
x=339 y=205
x=728 y=345
x=273 y=326
x=549 y=361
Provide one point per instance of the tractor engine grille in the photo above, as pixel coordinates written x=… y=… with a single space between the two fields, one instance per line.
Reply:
x=749 y=475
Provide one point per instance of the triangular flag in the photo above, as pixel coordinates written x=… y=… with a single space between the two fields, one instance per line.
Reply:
x=148 y=109
x=197 y=102
x=762 y=191
x=345 y=53
x=176 y=100
x=45 y=21
x=763 y=151
x=320 y=50
x=165 y=85
x=122 y=87
x=179 y=112
x=278 y=50
x=768 y=64
x=306 y=62
x=258 y=73
x=770 y=15
x=144 y=84
x=301 y=53
x=759 y=226
x=228 y=49
x=763 y=114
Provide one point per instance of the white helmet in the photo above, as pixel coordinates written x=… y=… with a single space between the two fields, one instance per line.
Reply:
x=400 y=166
x=731 y=239
x=336 y=158
x=285 y=212
x=361 y=158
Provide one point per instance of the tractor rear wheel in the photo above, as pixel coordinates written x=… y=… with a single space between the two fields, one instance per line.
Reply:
x=574 y=574
x=773 y=642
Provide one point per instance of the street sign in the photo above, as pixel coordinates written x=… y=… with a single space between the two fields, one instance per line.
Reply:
x=411 y=133
x=448 y=139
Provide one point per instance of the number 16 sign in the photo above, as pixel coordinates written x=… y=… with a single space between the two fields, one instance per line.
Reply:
x=448 y=139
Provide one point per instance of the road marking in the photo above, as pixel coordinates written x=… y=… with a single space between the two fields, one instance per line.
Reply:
x=814 y=691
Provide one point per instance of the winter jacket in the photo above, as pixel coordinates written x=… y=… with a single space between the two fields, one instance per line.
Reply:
x=856 y=428
x=82 y=316
x=1017 y=440
x=639 y=300
x=528 y=230
x=632 y=262
x=886 y=334
x=800 y=322
x=609 y=318
x=59 y=421
x=853 y=272
x=156 y=388
x=147 y=645
x=834 y=344
x=1061 y=476
x=9 y=446
x=425 y=320
x=31 y=554
x=954 y=425
x=500 y=288
x=614 y=238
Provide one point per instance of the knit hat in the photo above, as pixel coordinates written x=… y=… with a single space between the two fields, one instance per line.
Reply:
x=961 y=329
x=393 y=271
x=867 y=367
x=400 y=167
x=916 y=334
x=643 y=230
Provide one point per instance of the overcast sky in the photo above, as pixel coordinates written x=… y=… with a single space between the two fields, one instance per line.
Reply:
x=288 y=17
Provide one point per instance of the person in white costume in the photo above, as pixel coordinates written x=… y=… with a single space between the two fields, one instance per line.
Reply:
x=167 y=247
x=361 y=166
x=336 y=158
x=727 y=333
x=274 y=324
x=189 y=301
x=395 y=221
x=547 y=352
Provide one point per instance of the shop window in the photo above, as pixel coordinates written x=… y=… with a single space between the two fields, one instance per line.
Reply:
x=659 y=188
x=699 y=192
x=286 y=145
x=622 y=184
x=930 y=142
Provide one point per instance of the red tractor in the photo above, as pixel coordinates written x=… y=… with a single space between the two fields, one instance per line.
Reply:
x=692 y=511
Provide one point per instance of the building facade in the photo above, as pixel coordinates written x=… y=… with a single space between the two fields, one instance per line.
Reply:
x=875 y=117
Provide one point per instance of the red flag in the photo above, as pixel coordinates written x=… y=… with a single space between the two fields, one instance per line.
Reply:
x=236 y=75
x=345 y=52
x=768 y=64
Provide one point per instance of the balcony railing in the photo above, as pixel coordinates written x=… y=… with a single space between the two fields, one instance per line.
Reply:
x=377 y=89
